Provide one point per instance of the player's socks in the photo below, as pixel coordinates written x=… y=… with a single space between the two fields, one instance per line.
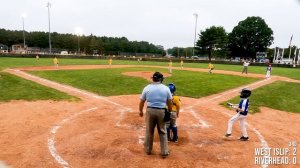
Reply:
x=175 y=135
x=169 y=134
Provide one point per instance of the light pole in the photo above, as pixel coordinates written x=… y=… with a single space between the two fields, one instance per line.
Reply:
x=48 y=6
x=23 y=18
x=196 y=16
x=78 y=32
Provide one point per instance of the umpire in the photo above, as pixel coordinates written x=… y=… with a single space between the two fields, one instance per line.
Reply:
x=157 y=96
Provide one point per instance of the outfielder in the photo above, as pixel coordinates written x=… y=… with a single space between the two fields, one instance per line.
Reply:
x=242 y=111
x=110 y=62
x=181 y=64
x=171 y=125
x=55 y=62
x=210 y=67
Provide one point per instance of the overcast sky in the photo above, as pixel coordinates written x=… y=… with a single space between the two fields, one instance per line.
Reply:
x=162 y=22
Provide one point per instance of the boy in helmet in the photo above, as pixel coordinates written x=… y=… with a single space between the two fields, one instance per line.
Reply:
x=171 y=125
x=242 y=111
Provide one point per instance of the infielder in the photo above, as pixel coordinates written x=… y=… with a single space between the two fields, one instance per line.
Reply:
x=242 y=111
x=171 y=125
x=269 y=69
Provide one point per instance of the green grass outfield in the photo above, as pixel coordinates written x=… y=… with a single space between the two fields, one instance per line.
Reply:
x=15 y=88
x=279 y=95
x=108 y=82
x=6 y=62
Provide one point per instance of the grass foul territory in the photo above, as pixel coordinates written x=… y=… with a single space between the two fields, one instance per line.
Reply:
x=15 y=88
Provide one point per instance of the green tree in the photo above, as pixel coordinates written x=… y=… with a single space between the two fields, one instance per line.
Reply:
x=211 y=41
x=89 y=44
x=250 y=36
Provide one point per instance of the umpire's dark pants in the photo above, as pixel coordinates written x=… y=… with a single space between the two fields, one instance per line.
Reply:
x=155 y=117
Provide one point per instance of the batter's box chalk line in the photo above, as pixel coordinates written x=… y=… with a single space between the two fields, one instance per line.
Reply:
x=54 y=130
x=201 y=123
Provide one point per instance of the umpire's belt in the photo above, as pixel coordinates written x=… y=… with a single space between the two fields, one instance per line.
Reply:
x=156 y=108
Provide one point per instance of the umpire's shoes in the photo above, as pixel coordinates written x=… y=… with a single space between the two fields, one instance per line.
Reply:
x=244 y=138
x=227 y=135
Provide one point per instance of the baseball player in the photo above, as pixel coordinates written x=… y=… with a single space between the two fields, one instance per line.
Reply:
x=242 y=111
x=245 y=66
x=211 y=67
x=269 y=69
x=171 y=125
x=181 y=64
x=55 y=61
x=170 y=66
x=110 y=61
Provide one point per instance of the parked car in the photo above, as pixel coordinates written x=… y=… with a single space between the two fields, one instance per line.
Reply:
x=195 y=57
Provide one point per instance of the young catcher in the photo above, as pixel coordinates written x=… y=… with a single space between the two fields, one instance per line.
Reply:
x=242 y=111
x=171 y=125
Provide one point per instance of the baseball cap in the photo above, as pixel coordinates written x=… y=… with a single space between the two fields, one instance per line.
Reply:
x=157 y=76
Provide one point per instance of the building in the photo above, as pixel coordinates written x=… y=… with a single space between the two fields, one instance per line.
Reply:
x=19 y=49
x=3 y=48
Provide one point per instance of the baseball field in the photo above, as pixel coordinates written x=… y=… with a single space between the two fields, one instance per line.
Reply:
x=85 y=114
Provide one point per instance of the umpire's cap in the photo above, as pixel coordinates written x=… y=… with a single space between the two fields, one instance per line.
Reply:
x=157 y=77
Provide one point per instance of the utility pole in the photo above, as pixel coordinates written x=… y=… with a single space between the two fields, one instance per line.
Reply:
x=196 y=16
x=23 y=18
x=48 y=6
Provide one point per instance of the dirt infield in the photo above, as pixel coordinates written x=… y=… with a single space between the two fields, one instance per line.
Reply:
x=108 y=132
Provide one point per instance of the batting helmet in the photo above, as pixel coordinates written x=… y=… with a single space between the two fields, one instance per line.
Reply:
x=158 y=77
x=245 y=93
x=172 y=87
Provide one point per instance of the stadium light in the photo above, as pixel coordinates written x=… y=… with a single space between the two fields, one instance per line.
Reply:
x=23 y=16
x=48 y=6
x=196 y=16
x=78 y=32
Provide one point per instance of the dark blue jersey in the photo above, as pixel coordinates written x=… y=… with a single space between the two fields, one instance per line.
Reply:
x=244 y=105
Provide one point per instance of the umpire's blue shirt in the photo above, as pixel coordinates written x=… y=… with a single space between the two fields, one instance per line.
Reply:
x=156 y=95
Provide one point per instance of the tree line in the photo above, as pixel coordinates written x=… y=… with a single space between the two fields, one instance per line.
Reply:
x=248 y=37
x=89 y=44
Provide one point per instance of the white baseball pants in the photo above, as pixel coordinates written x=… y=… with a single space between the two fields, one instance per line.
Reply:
x=235 y=118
